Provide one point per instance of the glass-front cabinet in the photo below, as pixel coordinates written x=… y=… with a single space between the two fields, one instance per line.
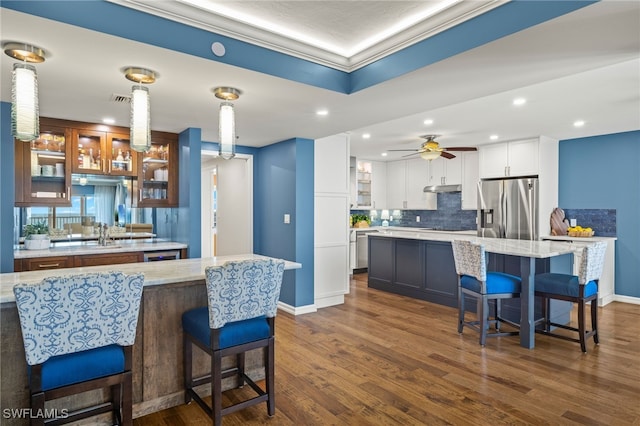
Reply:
x=158 y=174
x=103 y=153
x=42 y=175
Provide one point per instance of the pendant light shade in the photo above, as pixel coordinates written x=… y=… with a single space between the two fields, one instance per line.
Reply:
x=227 y=131
x=25 y=116
x=140 y=119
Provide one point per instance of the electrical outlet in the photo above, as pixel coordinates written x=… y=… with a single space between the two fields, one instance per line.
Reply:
x=417 y=218
x=573 y=222
x=287 y=218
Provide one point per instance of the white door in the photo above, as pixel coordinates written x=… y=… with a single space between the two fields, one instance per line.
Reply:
x=232 y=232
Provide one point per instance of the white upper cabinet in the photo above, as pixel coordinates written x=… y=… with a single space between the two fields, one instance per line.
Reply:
x=406 y=180
x=378 y=185
x=396 y=185
x=509 y=159
x=363 y=184
x=470 y=178
x=443 y=171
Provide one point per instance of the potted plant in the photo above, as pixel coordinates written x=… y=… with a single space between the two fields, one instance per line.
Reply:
x=360 y=221
x=36 y=236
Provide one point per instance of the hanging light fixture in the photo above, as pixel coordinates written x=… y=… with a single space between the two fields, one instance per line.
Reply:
x=430 y=155
x=227 y=121
x=140 y=123
x=25 y=116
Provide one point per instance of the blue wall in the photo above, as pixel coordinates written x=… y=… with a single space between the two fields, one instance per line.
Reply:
x=282 y=186
x=7 y=188
x=603 y=172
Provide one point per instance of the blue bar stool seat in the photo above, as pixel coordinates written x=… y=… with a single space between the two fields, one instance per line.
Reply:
x=239 y=317
x=474 y=280
x=78 y=333
x=581 y=289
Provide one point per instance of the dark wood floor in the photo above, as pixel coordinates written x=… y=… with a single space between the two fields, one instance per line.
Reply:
x=382 y=359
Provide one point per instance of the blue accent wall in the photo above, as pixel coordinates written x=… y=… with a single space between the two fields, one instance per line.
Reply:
x=603 y=172
x=280 y=182
x=7 y=188
x=189 y=210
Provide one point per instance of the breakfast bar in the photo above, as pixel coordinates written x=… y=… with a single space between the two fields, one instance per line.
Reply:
x=170 y=288
x=437 y=244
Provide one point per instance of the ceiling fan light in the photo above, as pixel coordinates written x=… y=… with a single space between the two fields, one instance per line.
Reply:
x=430 y=155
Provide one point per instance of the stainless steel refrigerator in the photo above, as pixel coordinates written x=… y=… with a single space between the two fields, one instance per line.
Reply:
x=508 y=208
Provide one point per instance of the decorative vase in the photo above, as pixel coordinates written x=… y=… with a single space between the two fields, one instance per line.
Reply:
x=37 y=242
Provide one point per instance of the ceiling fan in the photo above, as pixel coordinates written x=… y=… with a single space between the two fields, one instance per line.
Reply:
x=430 y=149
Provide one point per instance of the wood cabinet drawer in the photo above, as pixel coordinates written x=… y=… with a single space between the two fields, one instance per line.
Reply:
x=41 y=263
x=108 y=259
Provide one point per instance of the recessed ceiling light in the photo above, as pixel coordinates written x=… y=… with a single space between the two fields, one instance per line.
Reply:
x=108 y=120
x=428 y=122
x=384 y=154
x=519 y=101
x=322 y=112
x=493 y=137
x=366 y=135
x=578 y=123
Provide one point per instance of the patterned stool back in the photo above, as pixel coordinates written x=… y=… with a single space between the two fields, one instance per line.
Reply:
x=63 y=315
x=592 y=262
x=470 y=259
x=242 y=290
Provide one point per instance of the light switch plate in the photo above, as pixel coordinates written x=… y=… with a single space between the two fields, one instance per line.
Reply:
x=287 y=218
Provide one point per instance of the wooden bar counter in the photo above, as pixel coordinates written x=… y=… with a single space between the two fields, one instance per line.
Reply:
x=171 y=288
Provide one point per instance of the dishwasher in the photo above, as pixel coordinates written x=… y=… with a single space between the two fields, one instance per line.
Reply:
x=362 y=249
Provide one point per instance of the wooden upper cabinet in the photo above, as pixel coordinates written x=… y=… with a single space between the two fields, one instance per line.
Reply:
x=43 y=176
x=103 y=153
x=158 y=172
x=44 y=167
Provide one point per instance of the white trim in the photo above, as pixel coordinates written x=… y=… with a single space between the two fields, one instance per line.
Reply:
x=626 y=299
x=299 y=310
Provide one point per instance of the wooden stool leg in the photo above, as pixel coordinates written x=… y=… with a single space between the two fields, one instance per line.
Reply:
x=483 y=318
x=581 y=325
x=594 y=320
x=216 y=388
x=187 y=365
x=37 y=406
x=127 y=399
x=460 y=310
x=269 y=365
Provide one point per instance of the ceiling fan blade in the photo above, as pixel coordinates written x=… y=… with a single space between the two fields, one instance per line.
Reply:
x=461 y=148
x=447 y=155
x=412 y=150
x=410 y=155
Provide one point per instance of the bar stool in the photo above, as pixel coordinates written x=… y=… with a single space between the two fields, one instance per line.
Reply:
x=474 y=280
x=78 y=333
x=240 y=316
x=580 y=289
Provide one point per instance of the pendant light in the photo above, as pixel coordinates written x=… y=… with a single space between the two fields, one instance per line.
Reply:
x=140 y=123
x=227 y=121
x=25 y=115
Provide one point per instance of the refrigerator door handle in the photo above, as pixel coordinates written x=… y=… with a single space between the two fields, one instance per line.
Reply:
x=502 y=228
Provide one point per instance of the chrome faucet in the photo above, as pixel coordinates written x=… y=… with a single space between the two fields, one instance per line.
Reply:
x=103 y=234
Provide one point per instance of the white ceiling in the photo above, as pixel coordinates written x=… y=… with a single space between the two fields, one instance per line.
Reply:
x=584 y=65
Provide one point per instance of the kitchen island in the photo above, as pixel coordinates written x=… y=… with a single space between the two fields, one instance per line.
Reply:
x=170 y=288
x=420 y=264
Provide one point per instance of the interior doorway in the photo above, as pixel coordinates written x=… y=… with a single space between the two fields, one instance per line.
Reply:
x=227 y=205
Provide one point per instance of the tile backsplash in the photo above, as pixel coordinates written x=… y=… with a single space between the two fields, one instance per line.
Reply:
x=602 y=221
x=449 y=215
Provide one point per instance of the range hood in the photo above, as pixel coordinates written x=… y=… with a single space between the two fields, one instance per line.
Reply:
x=443 y=188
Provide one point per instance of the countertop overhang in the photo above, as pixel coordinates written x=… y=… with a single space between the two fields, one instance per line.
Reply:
x=155 y=273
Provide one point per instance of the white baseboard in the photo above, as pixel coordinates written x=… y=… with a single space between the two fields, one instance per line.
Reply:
x=297 y=310
x=324 y=302
x=626 y=299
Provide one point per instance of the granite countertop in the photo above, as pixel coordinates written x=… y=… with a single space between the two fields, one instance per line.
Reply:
x=80 y=248
x=155 y=273
x=584 y=240
x=524 y=248
x=410 y=229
